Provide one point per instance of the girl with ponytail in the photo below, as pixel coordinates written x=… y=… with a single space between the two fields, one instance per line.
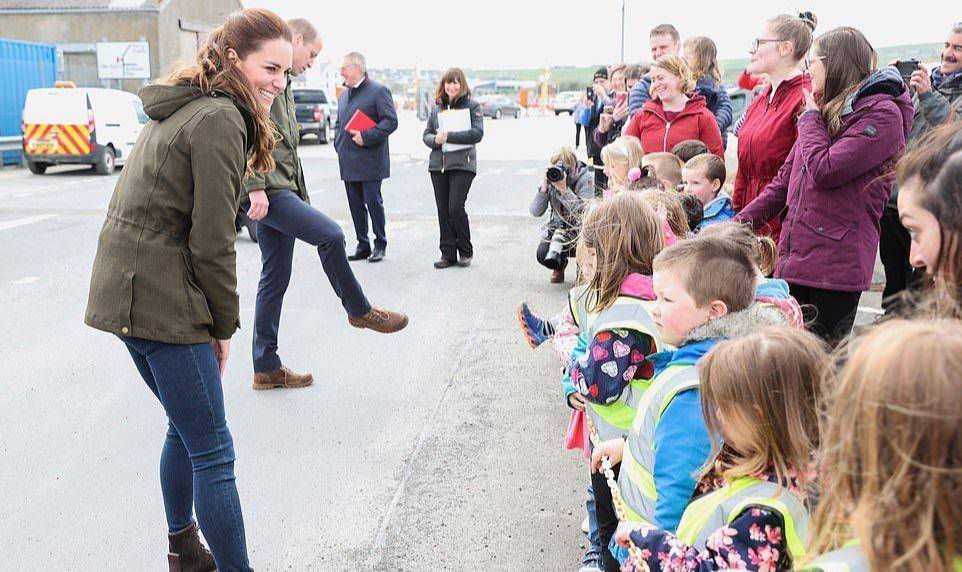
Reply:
x=164 y=278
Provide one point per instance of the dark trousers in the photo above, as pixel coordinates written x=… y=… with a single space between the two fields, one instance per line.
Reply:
x=894 y=245
x=545 y=245
x=601 y=180
x=830 y=314
x=450 y=193
x=578 y=128
x=364 y=197
x=197 y=462
x=606 y=516
x=289 y=218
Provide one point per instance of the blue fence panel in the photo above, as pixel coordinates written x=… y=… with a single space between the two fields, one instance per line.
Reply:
x=23 y=66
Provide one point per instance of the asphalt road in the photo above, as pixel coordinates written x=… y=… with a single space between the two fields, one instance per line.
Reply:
x=439 y=448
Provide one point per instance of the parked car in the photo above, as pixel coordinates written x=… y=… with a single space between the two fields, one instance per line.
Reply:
x=71 y=125
x=498 y=106
x=316 y=113
x=566 y=101
x=740 y=99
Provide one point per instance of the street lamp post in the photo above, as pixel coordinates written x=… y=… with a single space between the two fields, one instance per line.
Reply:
x=623 y=2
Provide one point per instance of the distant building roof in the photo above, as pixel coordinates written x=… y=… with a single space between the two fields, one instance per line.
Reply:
x=79 y=5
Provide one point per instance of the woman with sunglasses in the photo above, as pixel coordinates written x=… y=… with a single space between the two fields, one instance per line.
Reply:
x=767 y=131
x=837 y=179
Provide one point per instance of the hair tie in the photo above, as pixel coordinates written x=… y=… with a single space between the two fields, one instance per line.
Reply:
x=634 y=174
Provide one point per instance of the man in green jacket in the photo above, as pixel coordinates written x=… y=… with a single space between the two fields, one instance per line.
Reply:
x=279 y=203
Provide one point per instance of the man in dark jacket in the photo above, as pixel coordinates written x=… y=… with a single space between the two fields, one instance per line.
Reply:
x=363 y=156
x=278 y=201
x=663 y=39
x=937 y=98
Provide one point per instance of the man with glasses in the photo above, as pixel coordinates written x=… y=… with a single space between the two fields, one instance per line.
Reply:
x=937 y=97
x=363 y=155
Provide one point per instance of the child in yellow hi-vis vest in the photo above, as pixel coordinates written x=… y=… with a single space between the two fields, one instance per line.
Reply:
x=759 y=394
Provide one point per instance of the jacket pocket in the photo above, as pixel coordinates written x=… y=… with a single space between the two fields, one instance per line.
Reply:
x=825 y=227
x=196 y=300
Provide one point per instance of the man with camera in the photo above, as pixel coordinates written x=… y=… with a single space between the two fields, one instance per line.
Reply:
x=937 y=97
x=566 y=185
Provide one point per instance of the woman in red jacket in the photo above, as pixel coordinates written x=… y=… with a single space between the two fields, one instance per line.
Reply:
x=673 y=114
x=768 y=131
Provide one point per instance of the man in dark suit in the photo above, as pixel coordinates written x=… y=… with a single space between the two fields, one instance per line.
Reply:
x=363 y=156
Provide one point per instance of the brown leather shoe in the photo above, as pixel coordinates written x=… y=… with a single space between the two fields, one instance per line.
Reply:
x=380 y=320
x=557 y=275
x=282 y=377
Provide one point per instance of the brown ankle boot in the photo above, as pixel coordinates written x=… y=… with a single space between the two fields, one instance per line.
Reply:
x=558 y=275
x=187 y=553
x=380 y=320
x=282 y=377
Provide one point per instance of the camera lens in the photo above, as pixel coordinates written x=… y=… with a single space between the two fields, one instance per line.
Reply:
x=554 y=174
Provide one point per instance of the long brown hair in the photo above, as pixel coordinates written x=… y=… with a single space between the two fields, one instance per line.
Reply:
x=932 y=167
x=244 y=32
x=702 y=56
x=452 y=75
x=626 y=236
x=767 y=387
x=892 y=448
x=848 y=58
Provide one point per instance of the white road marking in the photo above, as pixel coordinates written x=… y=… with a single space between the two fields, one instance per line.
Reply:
x=494 y=171
x=27 y=280
x=7 y=225
x=527 y=171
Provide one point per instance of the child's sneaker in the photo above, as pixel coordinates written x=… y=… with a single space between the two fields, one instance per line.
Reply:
x=536 y=331
x=591 y=562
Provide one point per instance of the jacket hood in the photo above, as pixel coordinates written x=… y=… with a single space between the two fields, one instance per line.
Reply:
x=639 y=286
x=695 y=102
x=703 y=338
x=884 y=84
x=717 y=205
x=162 y=101
x=772 y=288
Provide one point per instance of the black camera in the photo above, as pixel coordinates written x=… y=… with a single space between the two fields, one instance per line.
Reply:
x=906 y=68
x=555 y=173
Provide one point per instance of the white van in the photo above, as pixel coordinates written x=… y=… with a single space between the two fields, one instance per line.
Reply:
x=71 y=125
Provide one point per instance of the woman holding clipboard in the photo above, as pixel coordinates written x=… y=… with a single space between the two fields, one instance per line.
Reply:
x=454 y=128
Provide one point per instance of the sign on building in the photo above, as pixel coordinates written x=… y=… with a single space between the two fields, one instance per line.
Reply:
x=123 y=60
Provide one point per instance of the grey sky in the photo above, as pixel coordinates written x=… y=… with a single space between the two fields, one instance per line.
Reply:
x=534 y=33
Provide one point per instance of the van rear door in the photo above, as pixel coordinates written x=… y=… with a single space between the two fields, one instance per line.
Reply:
x=55 y=123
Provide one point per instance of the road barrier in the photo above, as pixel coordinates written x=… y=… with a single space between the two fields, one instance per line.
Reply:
x=11 y=143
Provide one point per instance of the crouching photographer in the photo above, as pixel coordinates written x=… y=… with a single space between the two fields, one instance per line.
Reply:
x=566 y=184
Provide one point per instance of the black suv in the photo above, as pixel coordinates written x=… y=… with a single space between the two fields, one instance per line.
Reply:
x=316 y=113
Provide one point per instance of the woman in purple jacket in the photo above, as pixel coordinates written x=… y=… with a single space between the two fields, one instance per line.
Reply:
x=837 y=178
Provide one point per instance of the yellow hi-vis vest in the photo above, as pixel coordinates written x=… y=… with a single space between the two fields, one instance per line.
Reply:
x=719 y=508
x=850 y=558
x=637 y=478
x=613 y=420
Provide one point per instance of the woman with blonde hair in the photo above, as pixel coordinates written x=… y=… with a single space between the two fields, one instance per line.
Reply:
x=165 y=279
x=892 y=453
x=675 y=112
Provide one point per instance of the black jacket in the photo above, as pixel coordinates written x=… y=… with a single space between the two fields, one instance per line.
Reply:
x=372 y=162
x=463 y=159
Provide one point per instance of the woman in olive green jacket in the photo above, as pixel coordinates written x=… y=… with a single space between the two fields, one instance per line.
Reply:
x=164 y=278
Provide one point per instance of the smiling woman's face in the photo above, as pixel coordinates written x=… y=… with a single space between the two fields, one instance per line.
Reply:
x=266 y=70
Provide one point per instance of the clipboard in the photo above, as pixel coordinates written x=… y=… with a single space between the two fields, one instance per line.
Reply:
x=452 y=120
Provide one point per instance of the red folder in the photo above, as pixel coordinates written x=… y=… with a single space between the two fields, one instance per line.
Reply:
x=359 y=122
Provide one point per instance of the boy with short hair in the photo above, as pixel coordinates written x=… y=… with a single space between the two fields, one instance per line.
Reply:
x=667 y=168
x=704 y=291
x=689 y=148
x=704 y=176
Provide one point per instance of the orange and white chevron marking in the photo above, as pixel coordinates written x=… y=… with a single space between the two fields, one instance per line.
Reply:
x=56 y=139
